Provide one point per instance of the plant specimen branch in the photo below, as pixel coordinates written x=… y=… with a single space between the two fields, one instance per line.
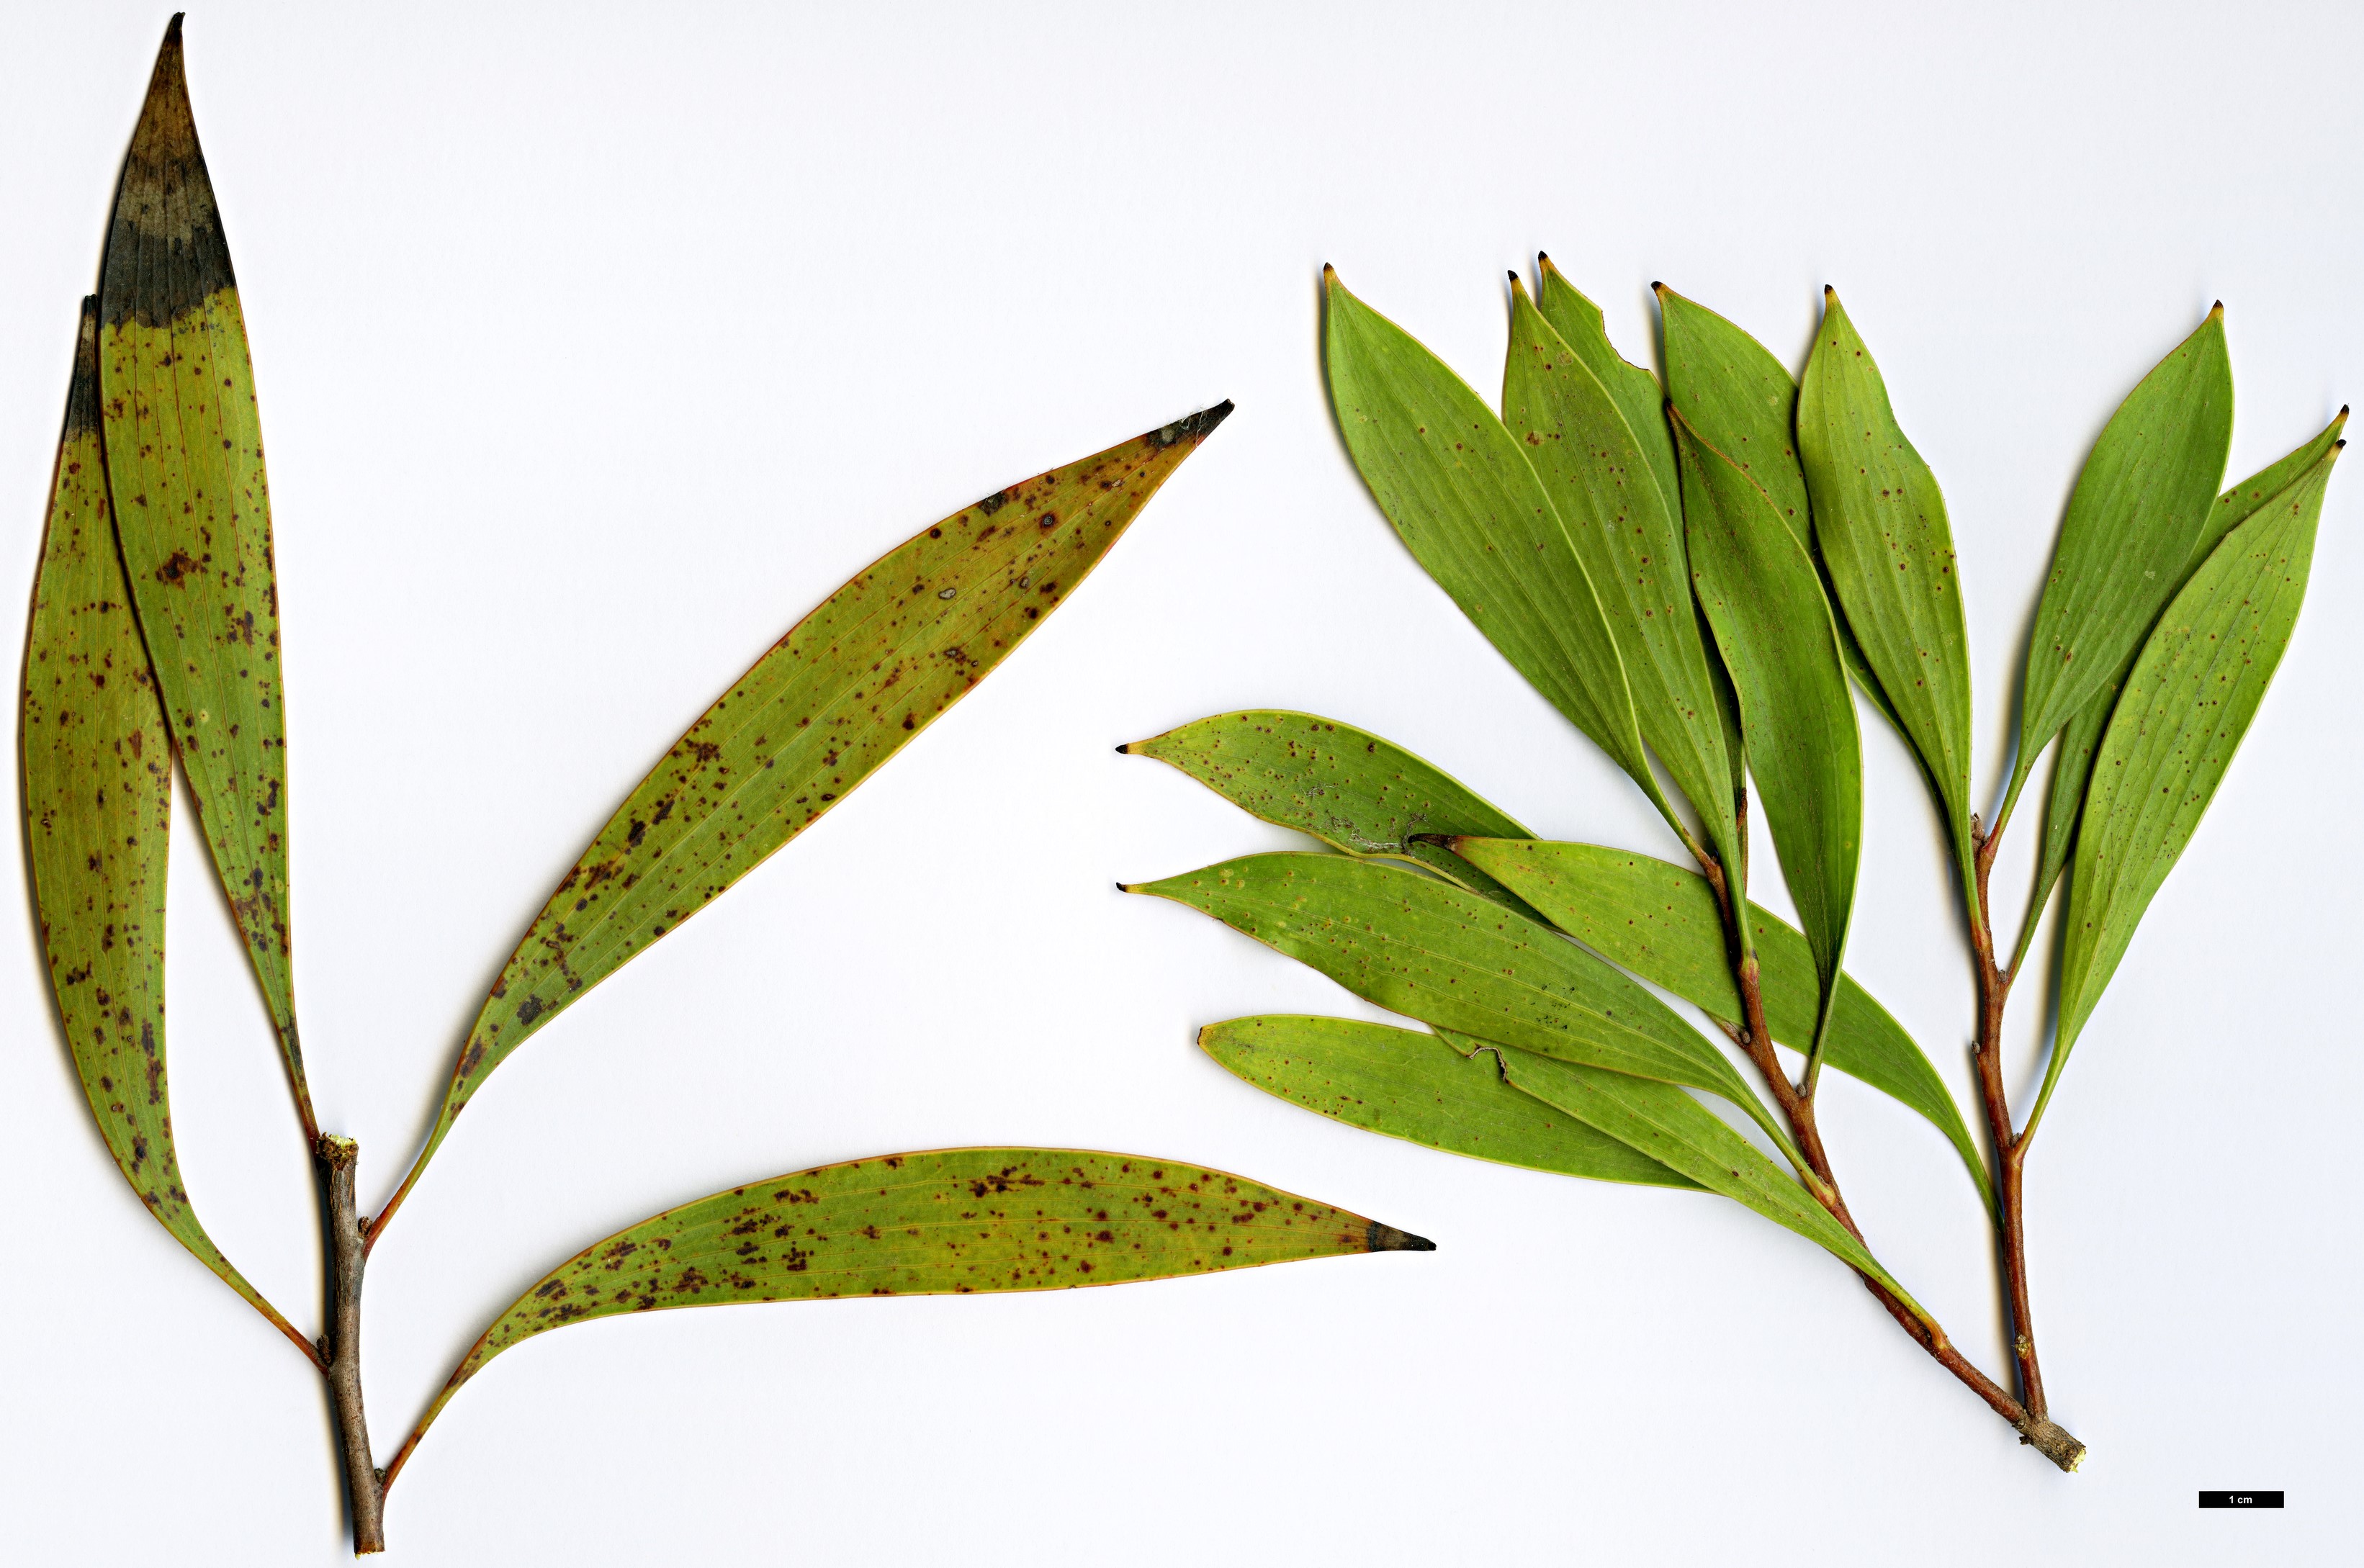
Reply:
x=364 y=1484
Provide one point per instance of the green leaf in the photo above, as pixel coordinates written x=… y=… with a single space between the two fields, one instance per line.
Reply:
x=1661 y=921
x=1630 y=538
x=1416 y=1087
x=98 y=813
x=1765 y=600
x=1635 y=391
x=2139 y=509
x=2188 y=702
x=823 y=709
x=193 y=511
x=1678 y=1132
x=950 y=1222
x=1742 y=401
x=1348 y=789
x=1464 y=500
x=2072 y=762
x=1419 y=947
x=1881 y=522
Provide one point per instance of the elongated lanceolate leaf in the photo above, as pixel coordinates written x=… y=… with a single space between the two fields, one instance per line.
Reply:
x=2139 y=509
x=1881 y=522
x=1464 y=500
x=1347 y=788
x=1683 y=1135
x=2072 y=763
x=1419 y=947
x=98 y=812
x=2188 y=702
x=1630 y=538
x=1660 y=921
x=951 y=1222
x=193 y=511
x=1765 y=600
x=1634 y=390
x=822 y=710
x=1742 y=401
x=1416 y=1087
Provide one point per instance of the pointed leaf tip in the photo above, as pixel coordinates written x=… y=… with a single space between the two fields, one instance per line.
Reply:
x=1388 y=1239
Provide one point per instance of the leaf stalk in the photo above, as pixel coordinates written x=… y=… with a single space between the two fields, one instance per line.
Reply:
x=364 y=1484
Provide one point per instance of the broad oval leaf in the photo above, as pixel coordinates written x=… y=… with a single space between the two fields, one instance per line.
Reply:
x=1680 y=1133
x=98 y=815
x=2072 y=762
x=1880 y=519
x=193 y=511
x=1765 y=601
x=1351 y=790
x=2139 y=508
x=1630 y=538
x=2188 y=703
x=1661 y=921
x=1432 y=952
x=949 y=1222
x=1465 y=501
x=823 y=709
x=1416 y=1087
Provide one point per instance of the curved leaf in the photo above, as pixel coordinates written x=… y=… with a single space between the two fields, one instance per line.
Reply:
x=1419 y=947
x=950 y=1222
x=193 y=511
x=1461 y=494
x=1636 y=392
x=1630 y=538
x=1881 y=521
x=99 y=813
x=823 y=709
x=1416 y=1087
x=1661 y=921
x=1765 y=600
x=1347 y=788
x=2188 y=702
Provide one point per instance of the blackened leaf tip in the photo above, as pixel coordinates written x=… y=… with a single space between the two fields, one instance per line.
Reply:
x=1125 y=750
x=1388 y=1239
x=1192 y=428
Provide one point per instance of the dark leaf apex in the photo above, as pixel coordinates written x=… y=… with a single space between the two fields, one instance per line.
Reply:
x=1388 y=1239
x=1192 y=428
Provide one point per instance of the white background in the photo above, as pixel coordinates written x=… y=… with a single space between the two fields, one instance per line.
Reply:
x=597 y=343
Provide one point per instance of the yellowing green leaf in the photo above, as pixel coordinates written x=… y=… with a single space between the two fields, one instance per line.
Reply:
x=1416 y=1087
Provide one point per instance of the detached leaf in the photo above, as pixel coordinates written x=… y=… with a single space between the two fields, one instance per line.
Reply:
x=1347 y=788
x=1660 y=921
x=1431 y=951
x=1463 y=497
x=98 y=813
x=1420 y=1088
x=832 y=701
x=1881 y=522
x=1765 y=600
x=2072 y=763
x=1684 y=1135
x=193 y=511
x=2138 y=512
x=1630 y=538
x=2188 y=702
x=955 y=1221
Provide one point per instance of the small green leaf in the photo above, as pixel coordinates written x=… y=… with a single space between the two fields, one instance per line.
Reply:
x=1881 y=522
x=1431 y=951
x=1661 y=921
x=1630 y=538
x=98 y=813
x=1678 y=1132
x=2139 y=509
x=951 y=1222
x=193 y=511
x=823 y=709
x=2191 y=698
x=1465 y=501
x=1765 y=600
x=1742 y=401
x=1416 y=1087
x=2072 y=762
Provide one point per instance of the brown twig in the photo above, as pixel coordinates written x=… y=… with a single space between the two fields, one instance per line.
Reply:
x=342 y=1351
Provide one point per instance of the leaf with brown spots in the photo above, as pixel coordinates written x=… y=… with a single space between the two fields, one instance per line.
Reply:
x=952 y=1222
x=832 y=701
x=98 y=811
